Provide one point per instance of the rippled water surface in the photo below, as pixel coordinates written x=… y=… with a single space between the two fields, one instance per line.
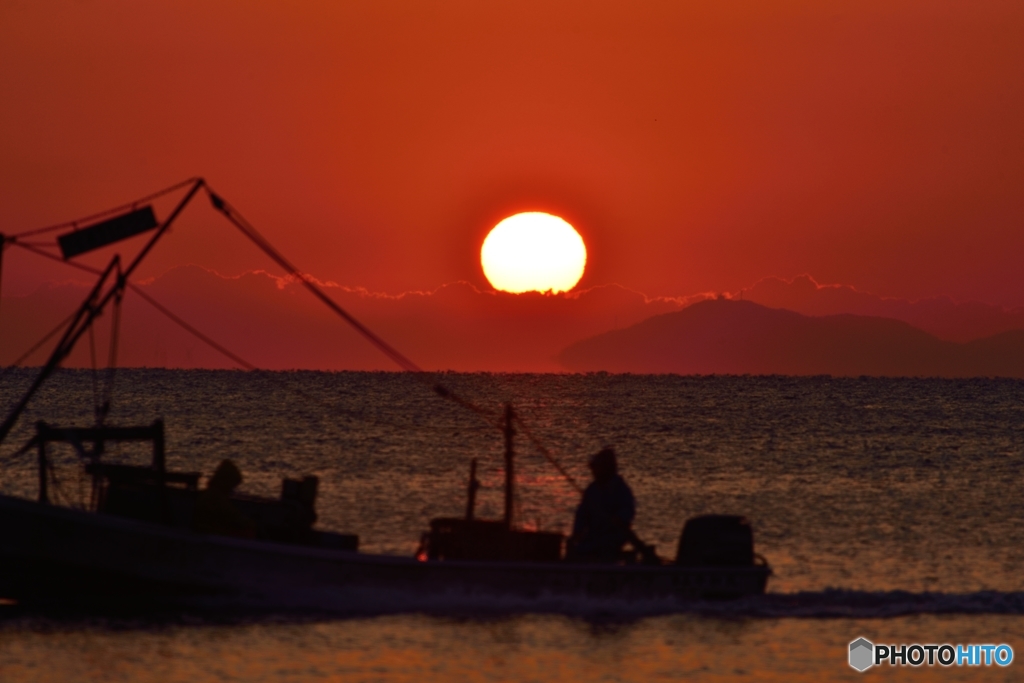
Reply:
x=888 y=508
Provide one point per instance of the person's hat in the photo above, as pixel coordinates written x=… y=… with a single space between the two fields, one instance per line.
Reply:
x=604 y=460
x=226 y=477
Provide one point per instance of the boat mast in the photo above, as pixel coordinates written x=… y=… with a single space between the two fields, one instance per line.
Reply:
x=97 y=300
x=471 y=491
x=509 y=469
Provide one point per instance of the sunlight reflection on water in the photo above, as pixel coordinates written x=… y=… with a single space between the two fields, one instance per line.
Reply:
x=521 y=648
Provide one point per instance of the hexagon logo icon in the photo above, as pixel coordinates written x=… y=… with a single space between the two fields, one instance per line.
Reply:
x=862 y=654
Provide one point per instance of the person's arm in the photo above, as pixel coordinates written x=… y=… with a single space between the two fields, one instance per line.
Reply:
x=625 y=504
x=583 y=514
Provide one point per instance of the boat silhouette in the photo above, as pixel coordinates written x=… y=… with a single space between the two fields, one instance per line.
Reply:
x=136 y=537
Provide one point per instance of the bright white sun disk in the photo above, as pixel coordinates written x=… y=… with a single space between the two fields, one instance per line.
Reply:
x=533 y=251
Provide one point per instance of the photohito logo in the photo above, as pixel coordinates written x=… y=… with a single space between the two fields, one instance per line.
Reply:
x=864 y=654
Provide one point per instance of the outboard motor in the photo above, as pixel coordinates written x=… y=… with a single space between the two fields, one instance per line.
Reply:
x=716 y=541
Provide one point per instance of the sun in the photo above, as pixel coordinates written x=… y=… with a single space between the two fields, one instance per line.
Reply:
x=533 y=251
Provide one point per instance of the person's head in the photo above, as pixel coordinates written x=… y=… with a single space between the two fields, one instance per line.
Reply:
x=604 y=465
x=225 y=478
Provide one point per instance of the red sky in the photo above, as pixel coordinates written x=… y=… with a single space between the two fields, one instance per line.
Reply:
x=697 y=146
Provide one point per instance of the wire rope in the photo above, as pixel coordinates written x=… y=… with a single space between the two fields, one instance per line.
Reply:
x=238 y=360
x=239 y=221
x=108 y=380
x=250 y=231
x=243 y=225
x=35 y=347
x=95 y=378
x=102 y=214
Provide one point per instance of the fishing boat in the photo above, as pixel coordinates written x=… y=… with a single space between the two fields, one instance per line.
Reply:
x=136 y=538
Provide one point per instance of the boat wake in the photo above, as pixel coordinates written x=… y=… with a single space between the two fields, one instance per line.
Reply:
x=826 y=604
x=839 y=603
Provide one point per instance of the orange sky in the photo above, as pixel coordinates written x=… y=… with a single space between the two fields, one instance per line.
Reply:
x=696 y=145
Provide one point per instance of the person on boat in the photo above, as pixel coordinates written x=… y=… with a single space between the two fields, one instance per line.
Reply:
x=604 y=517
x=214 y=513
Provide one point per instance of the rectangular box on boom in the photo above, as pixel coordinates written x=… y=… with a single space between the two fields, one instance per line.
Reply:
x=107 y=232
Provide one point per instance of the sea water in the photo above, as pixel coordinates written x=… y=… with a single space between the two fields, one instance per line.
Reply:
x=888 y=509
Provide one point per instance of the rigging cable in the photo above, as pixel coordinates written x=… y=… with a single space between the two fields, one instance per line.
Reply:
x=250 y=231
x=227 y=353
x=155 y=304
x=247 y=229
x=35 y=347
x=95 y=382
x=109 y=212
x=546 y=453
x=238 y=360
x=108 y=381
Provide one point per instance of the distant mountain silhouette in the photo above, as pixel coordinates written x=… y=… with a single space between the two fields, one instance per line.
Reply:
x=940 y=315
x=740 y=337
x=274 y=323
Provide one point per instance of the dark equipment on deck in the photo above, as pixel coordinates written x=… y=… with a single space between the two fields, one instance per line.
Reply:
x=107 y=232
x=153 y=494
x=79 y=437
x=454 y=538
x=716 y=541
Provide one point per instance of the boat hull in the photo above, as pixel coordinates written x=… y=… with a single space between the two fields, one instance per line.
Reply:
x=53 y=554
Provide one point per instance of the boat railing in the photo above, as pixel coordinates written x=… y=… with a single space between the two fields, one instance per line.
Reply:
x=98 y=437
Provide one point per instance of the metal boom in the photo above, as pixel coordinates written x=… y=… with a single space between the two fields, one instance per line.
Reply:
x=91 y=309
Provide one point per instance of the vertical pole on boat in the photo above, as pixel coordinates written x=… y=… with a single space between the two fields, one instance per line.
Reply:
x=159 y=464
x=510 y=475
x=79 y=324
x=43 y=494
x=471 y=491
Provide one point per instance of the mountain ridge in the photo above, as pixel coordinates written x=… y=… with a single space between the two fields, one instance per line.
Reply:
x=941 y=316
x=723 y=336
